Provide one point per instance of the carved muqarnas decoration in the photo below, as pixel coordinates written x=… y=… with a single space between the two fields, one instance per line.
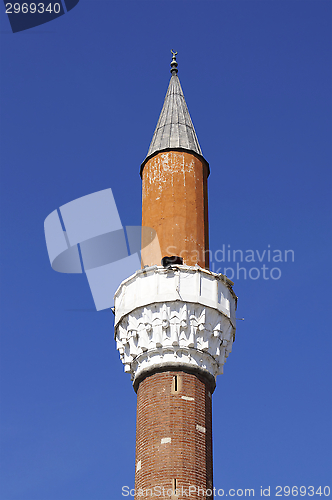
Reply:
x=174 y=332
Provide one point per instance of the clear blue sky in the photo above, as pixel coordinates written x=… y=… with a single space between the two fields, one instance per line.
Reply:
x=80 y=98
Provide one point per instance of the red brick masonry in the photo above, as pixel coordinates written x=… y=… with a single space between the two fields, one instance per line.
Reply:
x=175 y=205
x=174 y=433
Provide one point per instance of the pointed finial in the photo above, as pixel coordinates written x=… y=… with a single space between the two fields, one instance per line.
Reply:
x=174 y=64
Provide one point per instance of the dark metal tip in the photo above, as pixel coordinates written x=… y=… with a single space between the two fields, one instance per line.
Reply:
x=174 y=64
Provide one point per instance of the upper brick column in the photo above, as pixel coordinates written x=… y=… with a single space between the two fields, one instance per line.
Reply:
x=175 y=205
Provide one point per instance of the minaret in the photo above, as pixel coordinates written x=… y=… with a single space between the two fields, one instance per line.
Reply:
x=175 y=323
x=174 y=176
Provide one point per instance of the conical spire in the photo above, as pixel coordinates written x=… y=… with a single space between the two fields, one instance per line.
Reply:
x=174 y=129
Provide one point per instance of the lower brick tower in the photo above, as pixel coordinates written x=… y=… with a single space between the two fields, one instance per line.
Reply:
x=174 y=320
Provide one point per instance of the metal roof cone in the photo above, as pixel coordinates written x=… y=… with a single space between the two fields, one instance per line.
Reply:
x=174 y=129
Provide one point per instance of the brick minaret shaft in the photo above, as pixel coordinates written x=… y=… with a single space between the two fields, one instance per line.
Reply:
x=174 y=325
x=174 y=433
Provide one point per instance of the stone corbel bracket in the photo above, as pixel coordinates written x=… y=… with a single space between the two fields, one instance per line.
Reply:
x=178 y=317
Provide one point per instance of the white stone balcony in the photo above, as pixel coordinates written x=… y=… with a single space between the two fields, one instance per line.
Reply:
x=174 y=317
